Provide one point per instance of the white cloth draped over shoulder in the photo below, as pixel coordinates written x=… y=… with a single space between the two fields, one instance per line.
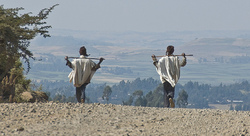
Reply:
x=81 y=71
x=169 y=69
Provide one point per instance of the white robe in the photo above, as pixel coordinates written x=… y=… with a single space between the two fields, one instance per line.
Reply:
x=81 y=71
x=169 y=69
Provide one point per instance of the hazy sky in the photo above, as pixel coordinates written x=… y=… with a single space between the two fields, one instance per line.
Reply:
x=142 y=15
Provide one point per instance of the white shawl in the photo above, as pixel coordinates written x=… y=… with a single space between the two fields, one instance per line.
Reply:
x=81 y=71
x=169 y=69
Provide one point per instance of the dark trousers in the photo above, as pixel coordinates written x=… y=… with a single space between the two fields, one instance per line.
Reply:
x=168 y=93
x=80 y=92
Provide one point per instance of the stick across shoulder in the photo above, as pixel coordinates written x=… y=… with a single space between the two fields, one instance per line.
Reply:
x=175 y=55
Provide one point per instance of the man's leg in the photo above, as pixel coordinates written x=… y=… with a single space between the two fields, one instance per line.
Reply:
x=165 y=97
x=78 y=94
x=83 y=87
x=169 y=98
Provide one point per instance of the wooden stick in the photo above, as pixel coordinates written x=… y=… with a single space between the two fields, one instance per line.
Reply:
x=82 y=58
x=175 y=55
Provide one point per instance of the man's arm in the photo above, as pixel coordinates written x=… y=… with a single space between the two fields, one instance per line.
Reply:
x=98 y=65
x=68 y=63
x=155 y=61
x=184 y=60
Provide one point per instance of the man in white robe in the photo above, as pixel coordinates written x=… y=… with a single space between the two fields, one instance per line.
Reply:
x=82 y=72
x=168 y=68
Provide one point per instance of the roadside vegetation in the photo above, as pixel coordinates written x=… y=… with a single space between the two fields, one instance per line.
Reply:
x=16 y=31
x=149 y=93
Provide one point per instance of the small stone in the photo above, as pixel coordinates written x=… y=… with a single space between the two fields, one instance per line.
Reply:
x=33 y=110
x=20 y=129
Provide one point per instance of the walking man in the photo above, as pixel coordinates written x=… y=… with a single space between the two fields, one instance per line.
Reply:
x=82 y=72
x=168 y=67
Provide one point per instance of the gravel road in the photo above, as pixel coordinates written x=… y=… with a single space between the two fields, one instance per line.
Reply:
x=71 y=119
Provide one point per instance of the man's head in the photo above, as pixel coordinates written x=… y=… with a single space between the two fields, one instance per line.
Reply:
x=83 y=51
x=170 y=50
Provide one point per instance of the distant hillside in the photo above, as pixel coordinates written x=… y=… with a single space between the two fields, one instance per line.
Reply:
x=211 y=48
x=215 y=60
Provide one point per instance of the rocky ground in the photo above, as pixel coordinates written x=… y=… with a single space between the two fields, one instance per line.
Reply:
x=105 y=120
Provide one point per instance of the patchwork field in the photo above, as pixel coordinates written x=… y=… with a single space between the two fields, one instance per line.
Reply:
x=208 y=73
x=210 y=63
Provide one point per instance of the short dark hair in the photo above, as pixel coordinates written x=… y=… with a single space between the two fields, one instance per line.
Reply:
x=83 y=51
x=170 y=50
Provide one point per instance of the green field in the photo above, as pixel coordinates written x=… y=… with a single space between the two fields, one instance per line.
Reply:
x=208 y=73
x=137 y=57
x=216 y=73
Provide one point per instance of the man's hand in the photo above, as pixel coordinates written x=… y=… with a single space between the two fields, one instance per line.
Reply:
x=98 y=65
x=154 y=58
x=66 y=57
x=183 y=54
x=68 y=63
x=101 y=59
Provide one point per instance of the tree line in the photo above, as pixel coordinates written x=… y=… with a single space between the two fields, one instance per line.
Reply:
x=149 y=92
x=16 y=31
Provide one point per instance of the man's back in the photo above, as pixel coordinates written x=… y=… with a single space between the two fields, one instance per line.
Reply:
x=82 y=71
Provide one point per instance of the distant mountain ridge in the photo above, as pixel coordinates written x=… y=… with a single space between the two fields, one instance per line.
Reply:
x=132 y=50
x=212 y=48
